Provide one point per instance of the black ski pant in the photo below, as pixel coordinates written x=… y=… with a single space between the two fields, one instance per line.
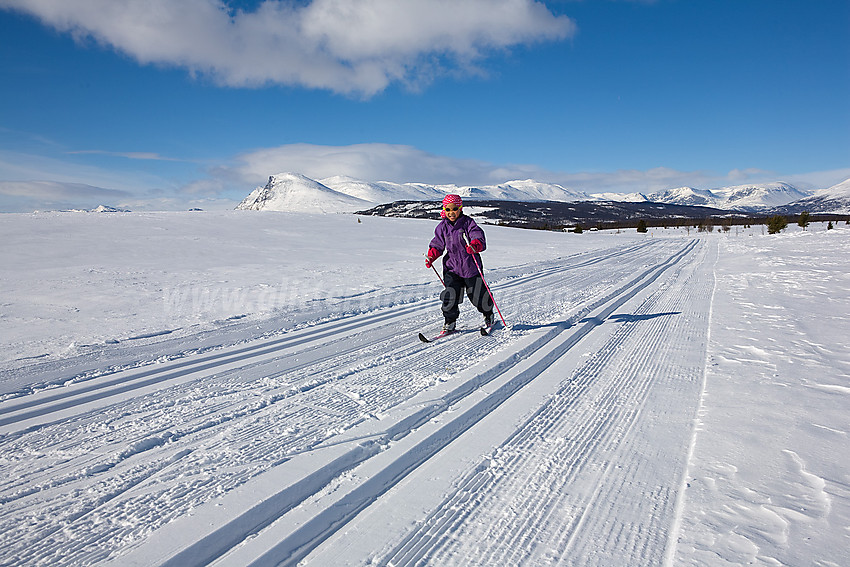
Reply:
x=452 y=295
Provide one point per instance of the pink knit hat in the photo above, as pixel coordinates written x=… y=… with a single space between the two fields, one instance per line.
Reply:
x=451 y=200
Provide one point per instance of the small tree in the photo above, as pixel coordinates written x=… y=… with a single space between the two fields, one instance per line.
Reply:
x=641 y=227
x=578 y=229
x=776 y=224
x=804 y=220
x=829 y=226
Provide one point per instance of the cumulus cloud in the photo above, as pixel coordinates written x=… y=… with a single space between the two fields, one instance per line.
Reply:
x=347 y=46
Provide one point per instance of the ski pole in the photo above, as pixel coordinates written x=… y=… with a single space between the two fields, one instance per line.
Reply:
x=481 y=273
x=437 y=273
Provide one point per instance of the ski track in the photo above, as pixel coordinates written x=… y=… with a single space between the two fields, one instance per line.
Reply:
x=582 y=430
x=95 y=463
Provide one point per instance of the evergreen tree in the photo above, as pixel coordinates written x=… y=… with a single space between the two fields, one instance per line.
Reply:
x=641 y=227
x=776 y=224
x=804 y=220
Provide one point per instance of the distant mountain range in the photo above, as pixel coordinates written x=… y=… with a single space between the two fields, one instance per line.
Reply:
x=296 y=192
x=552 y=215
x=98 y=209
x=737 y=198
x=836 y=199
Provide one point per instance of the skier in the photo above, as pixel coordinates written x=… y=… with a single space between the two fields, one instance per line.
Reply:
x=459 y=264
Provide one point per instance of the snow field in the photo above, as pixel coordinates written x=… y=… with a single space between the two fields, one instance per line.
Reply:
x=76 y=284
x=323 y=432
x=769 y=482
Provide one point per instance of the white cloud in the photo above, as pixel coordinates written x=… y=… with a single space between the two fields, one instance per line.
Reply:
x=57 y=191
x=348 y=46
x=129 y=155
x=369 y=162
x=65 y=168
x=17 y=196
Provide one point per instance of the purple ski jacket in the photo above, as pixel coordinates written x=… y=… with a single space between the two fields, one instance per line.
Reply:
x=448 y=238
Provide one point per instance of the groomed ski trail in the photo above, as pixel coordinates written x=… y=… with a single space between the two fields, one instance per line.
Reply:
x=573 y=474
x=295 y=447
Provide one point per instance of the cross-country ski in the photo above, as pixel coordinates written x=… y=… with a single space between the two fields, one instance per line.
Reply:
x=440 y=335
x=484 y=331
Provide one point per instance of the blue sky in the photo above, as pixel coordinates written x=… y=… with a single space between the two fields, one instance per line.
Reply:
x=167 y=105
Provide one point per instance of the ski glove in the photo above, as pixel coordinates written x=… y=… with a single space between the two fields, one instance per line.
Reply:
x=475 y=247
x=432 y=255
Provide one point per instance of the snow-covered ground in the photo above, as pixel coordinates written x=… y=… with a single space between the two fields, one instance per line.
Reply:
x=245 y=388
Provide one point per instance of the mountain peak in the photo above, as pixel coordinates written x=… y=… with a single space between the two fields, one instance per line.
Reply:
x=297 y=193
x=341 y=193
x=838 y=191
x=835 y=199
x=684 y=196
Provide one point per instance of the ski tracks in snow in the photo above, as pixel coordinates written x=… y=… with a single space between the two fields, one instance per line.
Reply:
x=348 y=442
x=578 y=482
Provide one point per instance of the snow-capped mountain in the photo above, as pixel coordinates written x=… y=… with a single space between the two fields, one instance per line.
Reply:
x=621 y=197
x=760 y=196
x=98 y=209
x=835 y=199
x=685 y=196
x=108 y=209
x=753 y=197
x=297 y=193
x=531 y=190
x=385 y=191
x=838 y=191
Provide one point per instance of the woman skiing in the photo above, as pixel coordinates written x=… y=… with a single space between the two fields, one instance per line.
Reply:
x=459 y=263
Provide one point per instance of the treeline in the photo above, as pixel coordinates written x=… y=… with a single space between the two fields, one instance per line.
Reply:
x=707 y=224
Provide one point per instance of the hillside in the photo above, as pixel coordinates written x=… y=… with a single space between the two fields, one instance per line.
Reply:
x=835 y=199
x=298 y=193
x=549 y=215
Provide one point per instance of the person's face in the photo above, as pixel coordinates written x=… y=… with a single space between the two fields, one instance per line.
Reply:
x=452 y=212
